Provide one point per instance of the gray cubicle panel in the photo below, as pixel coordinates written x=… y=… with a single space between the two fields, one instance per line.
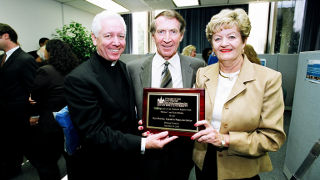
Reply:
x=271 y=60
x=287 y=65
x=304 y=128
x=129 y=57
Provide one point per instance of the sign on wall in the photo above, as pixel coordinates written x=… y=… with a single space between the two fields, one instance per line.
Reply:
x=313 y=71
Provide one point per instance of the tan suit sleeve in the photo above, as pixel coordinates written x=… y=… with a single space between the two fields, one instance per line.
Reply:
x=269 y=136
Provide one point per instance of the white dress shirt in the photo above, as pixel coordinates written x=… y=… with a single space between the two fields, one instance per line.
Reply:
x=157 y=68
x=10 y=52
x=223 y=91
x=174 y=68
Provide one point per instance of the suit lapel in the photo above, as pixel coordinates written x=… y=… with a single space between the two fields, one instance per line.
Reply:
x=186 y=72
x=246 y=74
x=211 y=84
x=145 y=75
x=12 y=57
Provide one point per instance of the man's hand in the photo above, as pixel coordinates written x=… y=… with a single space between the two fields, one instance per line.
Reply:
x=34 y=120
x=31 y=101
x=158 y=141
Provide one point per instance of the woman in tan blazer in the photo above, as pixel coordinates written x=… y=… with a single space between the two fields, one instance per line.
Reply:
x=244 y=106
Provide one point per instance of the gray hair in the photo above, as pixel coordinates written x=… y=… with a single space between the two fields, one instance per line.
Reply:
x=96 y=23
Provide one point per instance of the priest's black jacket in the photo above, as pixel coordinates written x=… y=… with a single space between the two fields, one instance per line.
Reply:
x=102 y=108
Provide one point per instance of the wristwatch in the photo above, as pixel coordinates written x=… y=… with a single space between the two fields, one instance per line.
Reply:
x=223 y=143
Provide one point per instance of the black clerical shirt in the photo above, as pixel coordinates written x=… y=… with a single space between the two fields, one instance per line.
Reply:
x=116 y=78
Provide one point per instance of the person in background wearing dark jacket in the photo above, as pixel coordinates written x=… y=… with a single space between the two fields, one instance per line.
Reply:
x=17 y=71
x=102 y=108
x=206 y=53
x=47 y=142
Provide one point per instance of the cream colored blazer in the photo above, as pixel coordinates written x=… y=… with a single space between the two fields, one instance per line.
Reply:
x=252 y=116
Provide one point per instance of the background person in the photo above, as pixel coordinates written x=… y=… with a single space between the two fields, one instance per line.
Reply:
x=189 y=50
x=174 y=161
x=42 y=42
x=212 y=58
x=47 y=142
x=206 y=53
x=244 y=106
x=101 y=103
x=251 y=54
x=17 y=71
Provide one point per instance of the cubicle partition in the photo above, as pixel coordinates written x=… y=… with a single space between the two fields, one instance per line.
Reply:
x=304 y=128
x=287 y=65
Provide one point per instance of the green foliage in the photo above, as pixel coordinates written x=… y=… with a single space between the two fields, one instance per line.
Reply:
x=78 y=38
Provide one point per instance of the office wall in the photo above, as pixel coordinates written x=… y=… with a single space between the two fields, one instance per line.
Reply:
x=305 y=123
x=33 y=19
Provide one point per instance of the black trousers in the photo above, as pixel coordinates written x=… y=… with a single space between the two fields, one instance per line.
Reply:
x=13 y=138
x=45 y=149
x=209 y=171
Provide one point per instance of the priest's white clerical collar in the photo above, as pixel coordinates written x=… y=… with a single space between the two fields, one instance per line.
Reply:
x=113 y=63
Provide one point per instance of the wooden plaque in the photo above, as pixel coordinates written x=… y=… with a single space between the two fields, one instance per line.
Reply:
x=173 y=109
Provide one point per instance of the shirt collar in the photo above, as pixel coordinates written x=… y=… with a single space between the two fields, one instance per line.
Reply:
x=107 y=62
x=11 y=51
x=159 y=61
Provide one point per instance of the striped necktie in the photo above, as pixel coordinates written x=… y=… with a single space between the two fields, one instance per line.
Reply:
x=3 y=59
x=166 y=79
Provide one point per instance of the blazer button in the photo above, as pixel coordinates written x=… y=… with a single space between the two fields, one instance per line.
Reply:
x=220 y=155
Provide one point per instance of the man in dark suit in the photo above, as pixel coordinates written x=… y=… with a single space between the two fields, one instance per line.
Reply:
x=167 y=29
x=17 y=72
x=101 y=103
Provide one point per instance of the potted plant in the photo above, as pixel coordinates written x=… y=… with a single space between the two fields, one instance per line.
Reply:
x=78 y=38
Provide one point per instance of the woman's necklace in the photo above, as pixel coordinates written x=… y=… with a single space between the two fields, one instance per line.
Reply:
x=230 y=77
x=223 y=75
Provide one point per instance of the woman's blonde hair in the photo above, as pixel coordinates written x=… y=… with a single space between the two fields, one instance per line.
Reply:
x=188 y=50
x=228 y=18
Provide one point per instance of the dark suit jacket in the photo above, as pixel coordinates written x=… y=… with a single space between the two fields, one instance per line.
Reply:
x=48 y=92
x=47 y=141
x=16 y=79
x=106 y=129
x=175 y=160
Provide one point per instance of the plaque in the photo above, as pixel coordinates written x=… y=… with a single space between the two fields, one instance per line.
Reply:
x=175 y=110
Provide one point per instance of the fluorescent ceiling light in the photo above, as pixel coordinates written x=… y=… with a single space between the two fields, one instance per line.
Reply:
x=108 y=5
x=182 y=3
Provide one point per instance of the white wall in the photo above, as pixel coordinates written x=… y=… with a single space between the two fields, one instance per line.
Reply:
x=33 y=19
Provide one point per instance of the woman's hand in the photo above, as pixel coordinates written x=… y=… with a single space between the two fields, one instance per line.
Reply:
x=210 y=135
x=140 y=128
